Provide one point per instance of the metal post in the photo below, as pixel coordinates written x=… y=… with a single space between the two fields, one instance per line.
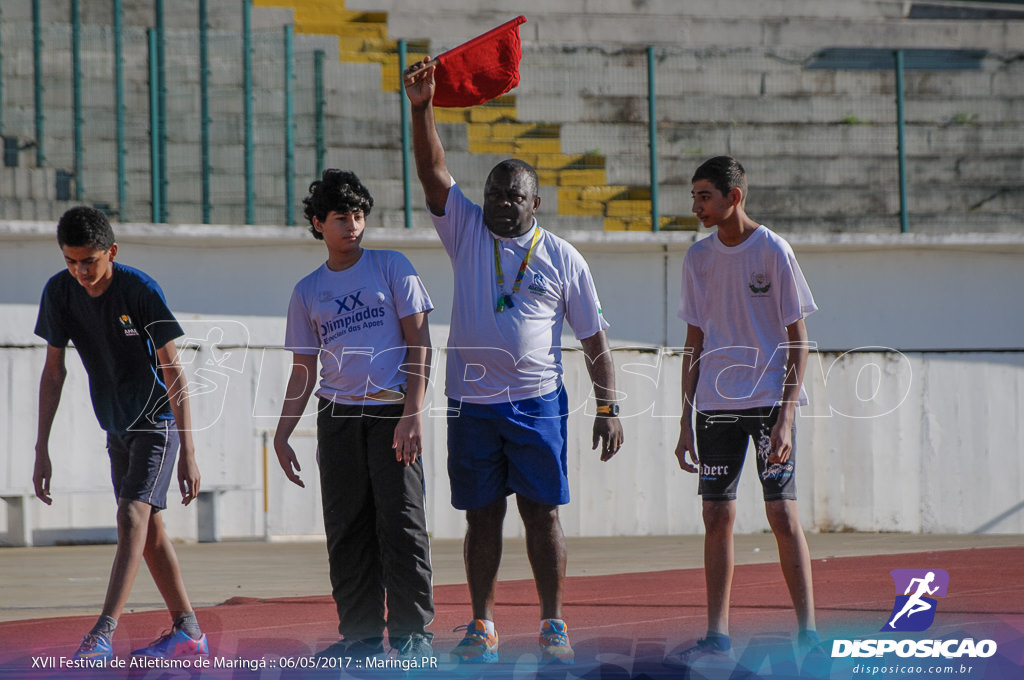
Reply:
x=122 y=150
x=1 y=76
x=266 y=490
x=318 y=110
x=289 y=131
x=652 y=131
x=403 y=101
x=76 y=89
x=161 y=109
x=901 y=143
x=204 y=109
x=154 y=142
x=37 y=81
x=250 y=179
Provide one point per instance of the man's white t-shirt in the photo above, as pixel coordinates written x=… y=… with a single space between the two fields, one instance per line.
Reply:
x=742 y=298
x=352 y=319
x=516 y=353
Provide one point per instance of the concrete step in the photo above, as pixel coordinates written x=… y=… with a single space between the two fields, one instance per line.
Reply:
x=449 y=28
x=920 y=223
x=34 y=209
x=721 y=8
x=751 y=72
x=800 y=109
x=781 y=171
x=815 y=139
x=35 y=184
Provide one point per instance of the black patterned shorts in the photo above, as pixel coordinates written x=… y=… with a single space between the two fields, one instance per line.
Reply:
x=722 y=439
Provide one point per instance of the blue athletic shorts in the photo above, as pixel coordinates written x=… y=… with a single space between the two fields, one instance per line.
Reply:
x=498 y=449
x=142 y=463
x=722 y=438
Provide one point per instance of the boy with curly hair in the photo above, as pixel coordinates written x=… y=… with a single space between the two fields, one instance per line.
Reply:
x=364 y=314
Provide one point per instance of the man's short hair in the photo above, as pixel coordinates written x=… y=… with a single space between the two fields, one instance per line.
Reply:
x=339 y=191
x=725 y=173
x=514 y=166
x=85 y=226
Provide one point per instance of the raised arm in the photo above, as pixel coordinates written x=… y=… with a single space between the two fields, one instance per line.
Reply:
x=431 y=167
x=177 y=393
x=607 y=428
x=51 y=384
x=300 y=386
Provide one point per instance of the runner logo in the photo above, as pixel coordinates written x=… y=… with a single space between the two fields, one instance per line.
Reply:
x=914 y=609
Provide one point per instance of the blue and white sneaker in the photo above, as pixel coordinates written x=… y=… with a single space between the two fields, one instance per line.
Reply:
x=477 y=646
x=554 y=643
x=94 y=648
x=174 y=644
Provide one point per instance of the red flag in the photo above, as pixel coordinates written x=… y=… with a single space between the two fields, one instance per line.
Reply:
x=479 y=70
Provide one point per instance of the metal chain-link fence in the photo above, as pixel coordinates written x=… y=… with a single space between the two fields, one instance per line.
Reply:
x=174 y=140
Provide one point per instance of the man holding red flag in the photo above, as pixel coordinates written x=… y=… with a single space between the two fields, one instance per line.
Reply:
x=506 y=402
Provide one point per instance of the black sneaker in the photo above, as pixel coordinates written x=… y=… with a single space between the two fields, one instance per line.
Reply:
x=416 y=647
x=352 y=649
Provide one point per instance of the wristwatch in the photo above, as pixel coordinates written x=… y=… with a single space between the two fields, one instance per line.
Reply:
x=608 y=410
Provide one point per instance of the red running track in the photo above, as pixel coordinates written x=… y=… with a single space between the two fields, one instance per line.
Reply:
x=621 y=626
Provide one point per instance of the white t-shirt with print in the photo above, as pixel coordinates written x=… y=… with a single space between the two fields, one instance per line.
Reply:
x=514 y=354
x=352 y=319
x=742 y=298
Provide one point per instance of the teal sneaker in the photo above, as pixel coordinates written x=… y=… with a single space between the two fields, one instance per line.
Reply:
x=554 y=643
x=477 y=646
x=174 y=644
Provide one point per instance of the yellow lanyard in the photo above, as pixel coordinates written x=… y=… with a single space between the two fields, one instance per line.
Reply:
x=505 y=300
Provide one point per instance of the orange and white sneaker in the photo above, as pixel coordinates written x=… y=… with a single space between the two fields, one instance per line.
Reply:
x=554 y=642
x=477 y=646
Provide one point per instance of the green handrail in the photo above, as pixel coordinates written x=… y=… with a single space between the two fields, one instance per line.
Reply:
x=1 y=76
x=37 y=81
x=901 y=143
x=403 y=101
x=204 y=109
x=76 y=88
x=652 y=132
x=319 y=104
x=289 y=131
x=122 y=150
x=161 y=109
x=250 y=177
x=154 y=143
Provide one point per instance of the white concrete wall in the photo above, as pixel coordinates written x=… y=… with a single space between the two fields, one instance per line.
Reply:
x=908 y=439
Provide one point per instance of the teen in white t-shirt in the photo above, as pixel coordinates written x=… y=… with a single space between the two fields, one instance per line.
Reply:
x=743 y=297
x=744 y=300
